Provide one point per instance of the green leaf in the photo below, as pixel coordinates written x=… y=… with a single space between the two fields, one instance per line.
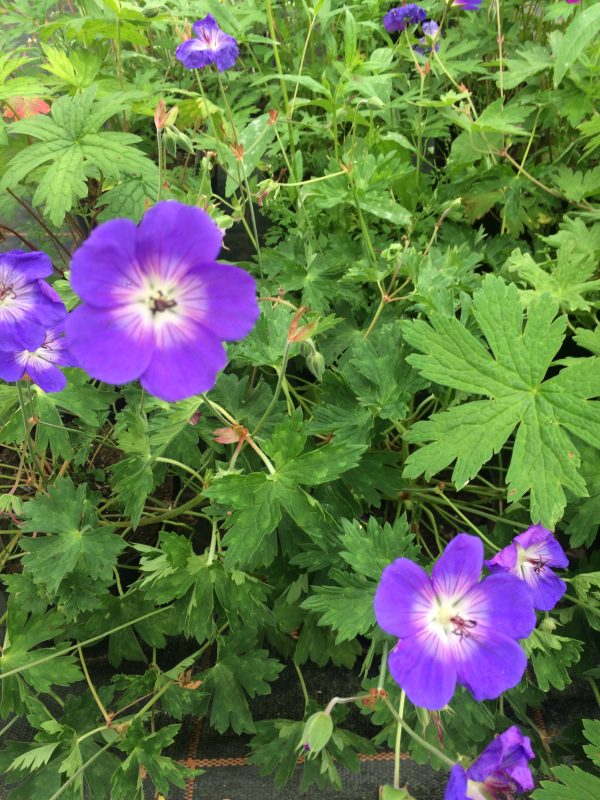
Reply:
x=591 y=731
x=22 y=652
x=322 y=465
x=35 y=757
x=78 y=547
x=551 y=655
x=254 y=499
x=566 y=283
x=332 y=604
x=528 y=61
x=575 y=784
x=241 y=671
x=582 y=29
x=74 y=147
x=587 y=589
x=544 y=414
x=379 y=374
x=369 y=549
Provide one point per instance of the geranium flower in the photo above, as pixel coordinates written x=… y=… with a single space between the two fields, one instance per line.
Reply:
x=529 y=557
x=156 y=305
x=500 y=771
x=41 y=363
x=452 y=627
x=211 y=46
x=28 y=305
x=429 y=42
x=468 y=5
x=398 y=18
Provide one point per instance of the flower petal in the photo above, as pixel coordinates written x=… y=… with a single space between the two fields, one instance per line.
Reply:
x=507 y=755
x=502 y=602
x=226 y=303
x=489 y=663
x=505 y=560
x=459 y=567
x=403 y=598
x=184 y=363
x=27 y=265
x=10 y=369
x=546 y=587
x=47 y=376
x=456 y=788
x=109 y=346
x=105 y=263
x=172 y=238
x=541 y=543
x=17 y=332
x=422 y=667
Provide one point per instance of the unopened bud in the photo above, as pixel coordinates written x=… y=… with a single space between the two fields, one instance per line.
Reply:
x=300 y=334
x=317 y=733
x=548 y=625
x=230 y=435
x=164 y=118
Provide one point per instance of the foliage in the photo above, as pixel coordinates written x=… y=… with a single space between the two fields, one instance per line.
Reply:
x=424 y=231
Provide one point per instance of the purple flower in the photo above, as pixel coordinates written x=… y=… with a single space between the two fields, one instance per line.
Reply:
x=398 y=18
x=429 y=42
x=28 y=305
x=452 y=627
x=211 y=46
x=40 y=363
x=530 y=556
x=467 y=5
x=156 y=305
x=500 y=771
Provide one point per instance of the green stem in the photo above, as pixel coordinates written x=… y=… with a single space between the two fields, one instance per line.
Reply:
x=302 y=684
x=284 y=93
x=80 y=771
x=242 y=168
x=467 y=521
x=66 y=650
x=275 y=398
x=161 y=165
x=181 y=465
x=413 y=734
x=398 y=741
x=91 y=686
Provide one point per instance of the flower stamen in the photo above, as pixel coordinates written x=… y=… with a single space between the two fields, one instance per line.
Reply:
x=160 y=303
x=462 y=627
x=7 y=291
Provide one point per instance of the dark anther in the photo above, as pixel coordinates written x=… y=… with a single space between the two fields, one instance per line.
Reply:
x=160 y=303
x=7 y=291
x=462 y=626
x=538 y=565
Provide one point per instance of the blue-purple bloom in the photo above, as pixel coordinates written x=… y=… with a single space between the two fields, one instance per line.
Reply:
x=452 y=627
x=211 y=45
x=28 y=305
x=41 y=364
x=429 y=42
x=398 y=18
x=499 y=772
x=156 y=305
x=529 y=557
x=468 y=5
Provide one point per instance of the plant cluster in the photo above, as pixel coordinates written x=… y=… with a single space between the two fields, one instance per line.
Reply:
x=311 y=455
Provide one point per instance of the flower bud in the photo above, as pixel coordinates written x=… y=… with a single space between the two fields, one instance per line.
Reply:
x=300 y=334
x=317 y=733
x=164 y=118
